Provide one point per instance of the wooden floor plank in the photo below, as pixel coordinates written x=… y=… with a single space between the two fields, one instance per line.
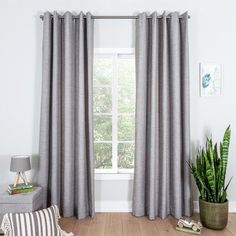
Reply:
x=165 y=227
x=82 y=227
x=68 y=223
x=130 y=225
x=147 y=227
x=124 y=224
x=114 y=225
x=231 y=227
x=97 y=225
x=210 y=232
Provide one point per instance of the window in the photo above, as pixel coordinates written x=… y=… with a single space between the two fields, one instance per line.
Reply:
x=114 y=111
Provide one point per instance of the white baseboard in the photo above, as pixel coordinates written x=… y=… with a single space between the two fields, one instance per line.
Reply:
x=113 y=206
x=232 y=206
x=126 y=206
x=195 y=206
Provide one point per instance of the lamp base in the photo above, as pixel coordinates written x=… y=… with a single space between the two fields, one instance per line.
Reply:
x=20 y=175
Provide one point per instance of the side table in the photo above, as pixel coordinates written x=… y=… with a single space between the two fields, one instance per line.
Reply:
x=22 y=202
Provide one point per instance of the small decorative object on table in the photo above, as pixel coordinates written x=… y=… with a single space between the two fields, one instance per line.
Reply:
x=20 y=164
x=188 y=225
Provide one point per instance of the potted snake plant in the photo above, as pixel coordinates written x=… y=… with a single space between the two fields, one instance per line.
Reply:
x=209 y=173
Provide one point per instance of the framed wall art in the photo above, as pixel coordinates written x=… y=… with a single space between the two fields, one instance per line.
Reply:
x=211 y=81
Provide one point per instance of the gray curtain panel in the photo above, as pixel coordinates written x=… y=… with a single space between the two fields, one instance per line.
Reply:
x=161 y=179
x=66 y=170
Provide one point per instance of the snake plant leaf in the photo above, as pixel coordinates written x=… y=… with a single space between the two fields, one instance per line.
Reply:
x=200 y=173
x=225 y=189
x=225 y=152
x=210 y=170
x=215 y=155
x=220 y=169
x=216 y=165
x=223 y=197
x=210 y=173
x=200 y=183
x=199 y=167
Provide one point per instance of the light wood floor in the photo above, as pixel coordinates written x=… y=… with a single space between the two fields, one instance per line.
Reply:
x=124 y=224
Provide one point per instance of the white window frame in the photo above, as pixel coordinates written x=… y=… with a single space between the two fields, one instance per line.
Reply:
x=114 y=173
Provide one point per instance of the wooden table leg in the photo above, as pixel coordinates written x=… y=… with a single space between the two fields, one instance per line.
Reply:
x=25 y=178
x=16 y=179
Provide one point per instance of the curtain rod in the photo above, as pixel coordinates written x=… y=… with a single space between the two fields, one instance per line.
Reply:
x=114 y=17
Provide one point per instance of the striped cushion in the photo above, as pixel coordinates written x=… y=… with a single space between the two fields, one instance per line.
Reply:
x=39 y=223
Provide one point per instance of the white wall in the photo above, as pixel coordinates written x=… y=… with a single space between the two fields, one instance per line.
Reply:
x=212 y=39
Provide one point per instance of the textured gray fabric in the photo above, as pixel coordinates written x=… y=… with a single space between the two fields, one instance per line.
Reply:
x=66 y=170
x=161 y=179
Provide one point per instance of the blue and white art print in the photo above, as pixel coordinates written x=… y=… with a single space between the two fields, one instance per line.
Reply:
x=210 y=79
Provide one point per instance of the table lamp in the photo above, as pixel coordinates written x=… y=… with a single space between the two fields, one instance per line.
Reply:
x=20 y=164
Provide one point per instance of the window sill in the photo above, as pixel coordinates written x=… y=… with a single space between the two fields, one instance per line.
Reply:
x=111 y=176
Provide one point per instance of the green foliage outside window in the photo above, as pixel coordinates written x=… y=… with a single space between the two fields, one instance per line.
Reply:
x=102 y=99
